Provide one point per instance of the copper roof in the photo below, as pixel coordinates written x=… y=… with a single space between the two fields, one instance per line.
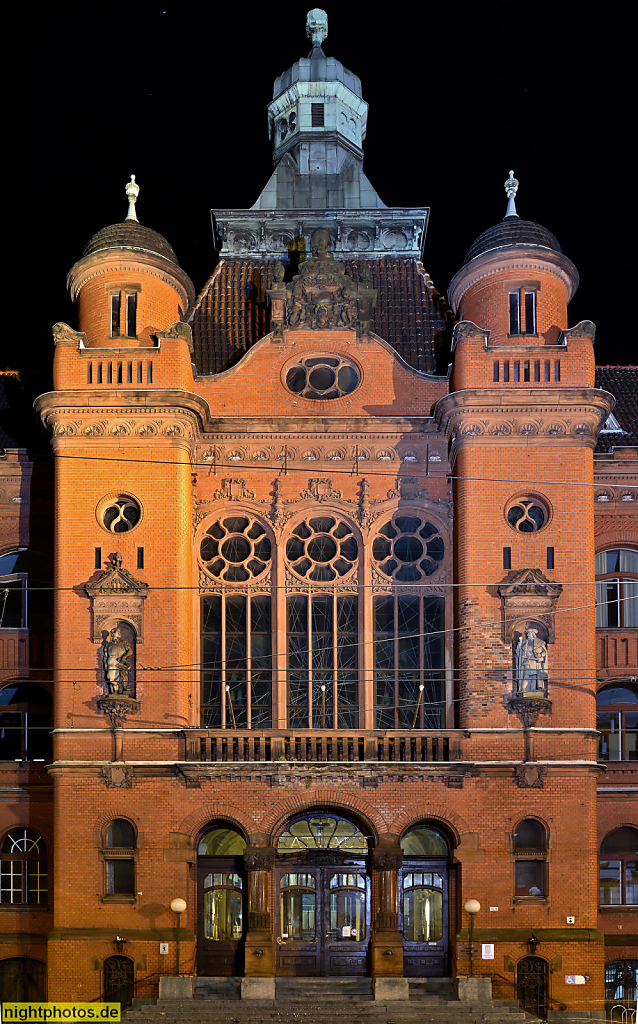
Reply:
x=232 y=313
x=130 y=234
x=512 y=231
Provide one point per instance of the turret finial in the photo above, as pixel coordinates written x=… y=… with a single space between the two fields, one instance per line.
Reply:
x=511 y=188
x=316 y=26
x=132 y=191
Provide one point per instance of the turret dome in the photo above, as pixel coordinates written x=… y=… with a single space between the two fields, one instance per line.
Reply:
x=512 y=231
x=130 y=234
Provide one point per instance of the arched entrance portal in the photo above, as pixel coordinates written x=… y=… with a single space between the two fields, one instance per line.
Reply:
x=423 y=903
x=322 y=898
x=531 y=985
x=221 y=903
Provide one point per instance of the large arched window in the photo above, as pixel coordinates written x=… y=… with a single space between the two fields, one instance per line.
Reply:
x=322 y=832
x=119 y=860
x=619 y=867
x=617 y=588
x=235 y=553
x=23 y=868
x=530 y=859
x=26 y=721
x=409 y=624
x=617 y=722
x=322 y=624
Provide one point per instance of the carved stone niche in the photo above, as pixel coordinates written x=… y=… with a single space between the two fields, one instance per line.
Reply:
x=528 y=598
x=115 y=594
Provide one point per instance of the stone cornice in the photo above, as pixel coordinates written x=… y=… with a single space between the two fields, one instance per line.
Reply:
x=130 y=261
x=509 y=259
x=511 y=416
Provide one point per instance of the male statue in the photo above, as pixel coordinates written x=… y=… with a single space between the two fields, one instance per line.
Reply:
x=116 y=654
x=531 y=662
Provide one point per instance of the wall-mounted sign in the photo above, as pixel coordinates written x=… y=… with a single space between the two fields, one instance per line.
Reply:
x=487 y=950
x=575 y=979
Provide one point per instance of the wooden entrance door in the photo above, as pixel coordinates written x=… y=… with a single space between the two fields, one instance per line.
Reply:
x=221 y=916
x=323 y=919
x=423 y=917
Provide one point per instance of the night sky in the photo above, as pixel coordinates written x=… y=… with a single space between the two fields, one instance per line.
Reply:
x=177 y=94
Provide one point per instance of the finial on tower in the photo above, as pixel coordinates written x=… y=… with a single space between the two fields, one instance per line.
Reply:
x=511 y=188
x=316 y=26
x=132 y=191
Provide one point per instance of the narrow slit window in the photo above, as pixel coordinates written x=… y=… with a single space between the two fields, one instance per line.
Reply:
x=131 y=315
x=547 y=370
x=99 y=373
x=557 y=371
x=530 y=312
x=97 y=564
x=149 y=373
x=109 y=374
x=129 y=374
x=140 y=558
x=90 y=374
x=119 y=373
x=496 y=374
x=116 y=305
x=317 y=119
x=139 y=373
x=537 y=371
x=526 y=370
x=515 y=313
x=506 y=371
x=550 y=558
x=517 y=370
x=507 y=558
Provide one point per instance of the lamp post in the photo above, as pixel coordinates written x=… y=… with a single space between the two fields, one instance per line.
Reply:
x=472 y=907
x=178 y=906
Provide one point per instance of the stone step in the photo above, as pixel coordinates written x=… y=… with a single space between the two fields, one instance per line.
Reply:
x=216 y=988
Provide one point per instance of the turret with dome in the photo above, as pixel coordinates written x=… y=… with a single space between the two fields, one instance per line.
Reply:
x=128 y=283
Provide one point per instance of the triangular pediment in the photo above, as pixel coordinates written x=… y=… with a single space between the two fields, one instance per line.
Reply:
x=116 y=580
x=529 y=581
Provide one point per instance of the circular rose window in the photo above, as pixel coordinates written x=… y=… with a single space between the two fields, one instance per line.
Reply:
x=235 y=549
x=322 y=549
x=119 y=513
x=322 y=377
x=407 y=548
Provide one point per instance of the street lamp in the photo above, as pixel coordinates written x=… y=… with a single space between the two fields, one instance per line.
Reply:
x=472 y=907
x=178 y=906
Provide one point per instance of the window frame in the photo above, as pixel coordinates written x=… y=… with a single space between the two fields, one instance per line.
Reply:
x=24 y=708
x=111 y=855
x=23 y=858
x=623 y=858
x=523 y=308
x=619 y=577
x=529 y=855
x=621 y=710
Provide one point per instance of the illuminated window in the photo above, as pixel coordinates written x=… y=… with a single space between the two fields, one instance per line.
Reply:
x=530 y=859
x=23 y=868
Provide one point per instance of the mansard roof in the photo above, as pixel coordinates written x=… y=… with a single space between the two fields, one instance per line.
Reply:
x=232 y=312
x=622 y=383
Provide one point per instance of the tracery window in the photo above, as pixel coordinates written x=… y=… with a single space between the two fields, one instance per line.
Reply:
x=322 y=632
x=322 y=377
x=235 y=549
x=617 y=588
x=409 y=625
x=619 y=867
x=23 y=868
x=236 y=644
x=322 y=549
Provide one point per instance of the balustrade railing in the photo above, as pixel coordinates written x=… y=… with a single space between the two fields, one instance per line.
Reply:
x=322 y=745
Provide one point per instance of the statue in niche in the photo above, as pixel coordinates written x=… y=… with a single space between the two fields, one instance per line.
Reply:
x=530 y=660
x=116 y=656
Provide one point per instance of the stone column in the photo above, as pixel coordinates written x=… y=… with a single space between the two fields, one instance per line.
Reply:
x=259 y=859
x=387 y=941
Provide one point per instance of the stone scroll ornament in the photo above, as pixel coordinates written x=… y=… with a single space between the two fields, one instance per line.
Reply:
x=321 y=296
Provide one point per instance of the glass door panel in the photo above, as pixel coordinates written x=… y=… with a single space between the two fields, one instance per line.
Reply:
x=423 y=910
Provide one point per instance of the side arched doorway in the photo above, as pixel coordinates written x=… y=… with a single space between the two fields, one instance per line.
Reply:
x=119 y=980
x=322 y=914
x=531 y=985
x=424 y=902
x=221 y=903
x=22 y=980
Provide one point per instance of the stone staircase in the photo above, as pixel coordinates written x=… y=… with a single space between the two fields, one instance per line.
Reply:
x=317 y=1001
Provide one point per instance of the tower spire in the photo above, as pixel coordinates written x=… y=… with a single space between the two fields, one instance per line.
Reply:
x=511 y=188
x=132 y=191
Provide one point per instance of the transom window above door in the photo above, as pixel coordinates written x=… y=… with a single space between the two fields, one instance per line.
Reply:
x=322 y=832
